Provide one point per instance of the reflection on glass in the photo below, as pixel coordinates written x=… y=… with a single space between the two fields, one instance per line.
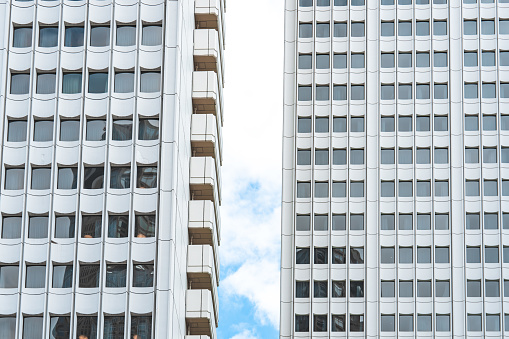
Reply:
x=86 y=327
x=96 y=130
x=74 y=37
x=91 y=226
x=147 y=177
x=143 y=275
x=99 y=36
x=35 y=277
x=62 y=276
x=69 y=130
x=120 y=177
x=118 y=226
x=67 y=178
x=116 y=275
x=11 y=228
x=145 y=226
x=38 y=227
x=17 y=131
x=93 y=178
x=48 y=37
x=122 y=130
x=141 y=327
x=60 y=328
x=89 y=276
x=65 y=226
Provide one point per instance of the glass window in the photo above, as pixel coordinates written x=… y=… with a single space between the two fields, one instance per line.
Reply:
x=357 y=60
x=356 y=255
x=91 y=226
x=356 y=289
x=473 y=254
x=301 y=323
x=14 y=178
x=38 y=227
x=441 y=155
x=405 y=156
x=404 y=91
x=41 y=178
x=99 y=36
x=387 y=92
x=356 y=222
x=422 y=91
x=302 y=256
x=357 y=189
x=9 y=276
x=122 y=130
x=442 y=221
x=423 y=188
x=441 y=123
x=302 y=222
x=471 y=123
x=490 y=188
x=340 y=2
x=489 y=90
x=441 y=255
x=405 y=59
x=143 y=275
x=423 y=222
x=305 y=61
x=490 y=155
x=322 y=61
x=71 y=83
x=338 y=255
x=126 y=35
x=74 y=36
x=339 y=189
x=422 y=123
x=303 y=157
x=356 y=323
x=488 y=27
x=357 y=92
x=146 y=177
x=320 y=289
x=357 y=29
x=440 y=59
x=302 y=289
x=405 y=28
x=339 y=157
x=150 y=82
x=303 y=189
x=406 y=255
x=46 y=83
x=387 y=156
x=11 y=227
x=405 y=123
x=321 y=255
x=20 y=83
x=424 y=288
x=387 y=255
x=492 y=288
x=405 y=189
x=422 y=59
x=340 y=30
x=340 y=61
x=48 y=37
x=323 y=3
x=149 y=129
x=124 y=82
x=439 y=27
x=96 y=130
x=98 y=83
x=504 y=58
x=406 y=289
x=424 y=323
x=488 y=58
x=32 y=327
x=322 y=30
x=424 y=255
x=387 y=222
x=305 y=30
x=473 y=220
x=474 y=288
x=441 y=188
x=491 y=255
x=356 y=157
x=474 y=322
x=69 y=130
x=442 y=288
x=22 y=37
x=387 y=60
x=118 y=226
x=489 y=122
x=89 y=276
x=357 y=2
x=406 y=322
x=340 y=92
x=116 y=275
x=470 y=59
x=321 y=189
x=492 y=322
x=17 y=130
x=441 y=91
x=322 y=92
x=405 y=222
x=471 y=155
x=338 y=289
x=43 y=130
x=65 y=226
x=387 y=124
x=35 y=277
x=470 y=27
x=60 y=327
x=503 y=27
x=471 y=91
x=305 y=93
x=67 y=178
x=93 y=177
x=387 y=289
x=387 y=28
x=338 y=222
x=86 y=326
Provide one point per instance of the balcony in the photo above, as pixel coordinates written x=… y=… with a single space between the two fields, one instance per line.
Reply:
x=210 y=14
x=202 y=271
x=207 y=94
x=204 y=180
x=206 y=140
x=208 y=52
x=200 y=314
x=204 y=227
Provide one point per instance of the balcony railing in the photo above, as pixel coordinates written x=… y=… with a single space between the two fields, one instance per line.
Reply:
x=207 y=95
x=205 y=180
x=206 y=138
x=208 y=52
x=200 y=315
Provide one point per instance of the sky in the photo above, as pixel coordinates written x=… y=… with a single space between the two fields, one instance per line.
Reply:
x=251 y=172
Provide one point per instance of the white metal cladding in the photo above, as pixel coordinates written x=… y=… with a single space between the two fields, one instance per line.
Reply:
x=169 y=107
x=440 y=190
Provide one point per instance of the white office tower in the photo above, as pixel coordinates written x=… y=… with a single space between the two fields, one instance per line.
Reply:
x=111 y=156
x=396 y=169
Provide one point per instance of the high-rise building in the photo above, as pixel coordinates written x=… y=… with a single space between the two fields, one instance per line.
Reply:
x=110 y=177
x=396 y=169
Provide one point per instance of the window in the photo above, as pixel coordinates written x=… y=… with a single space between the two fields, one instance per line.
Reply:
x=441 y=155
x=387 y=124
x=322 y=61
x=492 y=288
x=69 y=130
x=405 y=59
x=424 y=288
x=338 y=255
x=357 y=124
x=387 y=92
x=65 y=226
x=387 y=28
x=305 y=93
x=471 y=123
x=357 y=2
x=86 y=326
x=11 y=227
x=17 y=130
x=301 y=323
x=43 y=130
x=147 y=177
x=122 y=130
x=22 y=37
x=321 y=255
x=440 y=59
x=474 y=322
x=356 y=156
x=116 y=275
x=305 y=61
x=473 y=255
x=356 y=323
x=303 y=189
x=71 y=83
x=404 y=91
x=118 y=226
x=405 y=124
x=339 y=92
x=441 y=91
x=93 y=177
x=470 y=59
x=356 y=255
x=41 y=178
x=405 y=189
x=406 y=322
x=338 y=222
x=321 y=222
x=405 y=222
x=303 y=157
x=126 y=35
x=387 y=255
x=143 y=275
x=320 y=323
x=387 y=156
x=323 y=3
x=470 y=27
x=338 y=289
x=9 y=276
x=89 y=276
x=14 y=178
x=302 y=289
x=322 y=30
x=48 y=37
x=46 y=83
x=35 y=277
x=91 y=226
x=405 y=28
x=406 y=289
x=99 y=36
x=305 y=30
x=150 y=82
x=422 y=91
x=20 y=83
x=492 y=322
x=339 y=189
x=322 y=92
x=38 y=227
x=387 y=189
x=356 y=222
x=441 y=255
x=491 y=221
x=67 y=178
x=320 y=289
x=387 y=222
x=439 y=27
x=424 y=323
x=124 y=82
x=423 y=188
x=471 y=155
x=96 y=130
x=441 y=221
x=340 y=30
x=472 y=188
x=357 y=92
x=490 y=188
x=149 y=129
x=357 y=189
x=387 y=289
x=32 y=327
x=74 y=36
x=357 y=29
x=423 y=222
x=504 y=92
x=503 y=27
x=356 y=289
x=488 y=58
x=488 y=27
x=406 y=255
x=303 y=222
x=387 y=60
x=472 y=221
x=471 y=91
x=423 y=255
x=405 y=156
x=339 y=61
x=505 y=188
x=489 y=90
x=442 y=288
x=422 y=59
x=114 y=326
x=489 y=155
x=60 y=327
x=302 y=256
x=441 y=188
x=491 y=255
x=441 y=123
x=340 y=2
x=489 y=122
x=339 y=157
x=357 y=60
x=504 y=155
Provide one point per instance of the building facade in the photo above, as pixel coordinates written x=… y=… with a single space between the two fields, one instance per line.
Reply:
x=395 y=169
x=111 y=168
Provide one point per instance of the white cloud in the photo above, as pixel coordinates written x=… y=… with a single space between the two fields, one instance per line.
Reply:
x=252 y=134
x=245 y=334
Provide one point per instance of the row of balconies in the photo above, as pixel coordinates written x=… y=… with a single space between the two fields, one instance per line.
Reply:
x=205 y=171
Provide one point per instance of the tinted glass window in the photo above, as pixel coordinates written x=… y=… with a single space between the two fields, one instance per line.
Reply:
x=99 y=36
x=152 y=35
x=91 y=226
x=62 y=276
x=93 y=177
x=38 y=227
x=69 y=130
x=89 y=276
x=149 y=129
x=143 y=275
x=73 y=36
x=65 y=226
